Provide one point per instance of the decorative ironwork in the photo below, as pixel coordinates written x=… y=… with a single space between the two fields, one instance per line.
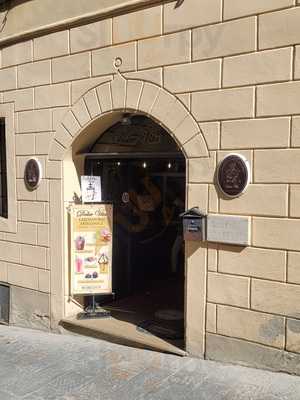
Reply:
x=233 y=175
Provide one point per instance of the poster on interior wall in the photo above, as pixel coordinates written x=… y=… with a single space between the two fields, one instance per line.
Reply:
x=91 y=255
x=91 y=189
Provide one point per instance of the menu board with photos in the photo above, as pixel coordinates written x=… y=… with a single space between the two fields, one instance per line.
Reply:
x=91 y=242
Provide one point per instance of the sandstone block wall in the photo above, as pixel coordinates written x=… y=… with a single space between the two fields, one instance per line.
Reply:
x=235 y=66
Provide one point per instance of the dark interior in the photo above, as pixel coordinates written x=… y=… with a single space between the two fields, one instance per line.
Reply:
x=148 y=195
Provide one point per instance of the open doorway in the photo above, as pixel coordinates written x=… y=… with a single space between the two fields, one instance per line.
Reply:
x=143 y=174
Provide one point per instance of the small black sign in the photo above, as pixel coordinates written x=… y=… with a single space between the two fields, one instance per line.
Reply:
x=233 y=175
x=33 y=174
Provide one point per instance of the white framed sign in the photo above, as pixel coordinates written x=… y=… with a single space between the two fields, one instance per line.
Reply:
x=91 y=248
x=91 y=189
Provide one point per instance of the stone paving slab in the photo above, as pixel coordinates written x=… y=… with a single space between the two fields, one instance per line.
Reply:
x=36 y=365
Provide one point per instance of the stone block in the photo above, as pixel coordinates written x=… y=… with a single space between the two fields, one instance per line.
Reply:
x=25 y=144
x=238 y=351
x=44 y=281
x=91 y=36
x=213 y=199
x=201 y=170
x=30 y=309
x=250 y=325
x=10 y=252
x=148 y=97
x=268 y=200
x=23 y=193
x=42 y=143
x=186 y=130
x=63 y=136
x=276 y=233
x=137 y=25
x=223 y=104
x=79 y=88
x=43 y=232
x=34 y=74
x=237 y=9
x=295 y=200
x=196 y=286
x=225 y=39
x=17 y=54
x=198 y=196
x=23 y=99
x=33 y=256
x=52 y=96
x=185 y=99
x=33 y=211
x=52 y=45
x=192 y=13
x=71 y=123
x=81 y=113
x=293 y=335
x=118 y=93
x=261 y=67
x=26 y=233
x=278 y=99
x=212 y=256
x=295 y=139
x=164 y=50
x=153 y=75
x=3 y=271
x=34 y=121
x=228 y=289
x=254 y=262
x=168 y=109
x=275 y=298
x=196 y=147
x=211 y=318
x=211 y=134
x=276 y=166
x=56 y=153
x=72 y=67
x=293 y=267
x=255 y=133
x=134 y=91
x=191 y=77
x=8 y=78
x=21 y=275
x=279 y=28
x=104 y=96
x=103 y=59
x=92 y=103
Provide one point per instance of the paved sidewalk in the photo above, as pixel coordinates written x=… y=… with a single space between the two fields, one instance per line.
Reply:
x=45 y=366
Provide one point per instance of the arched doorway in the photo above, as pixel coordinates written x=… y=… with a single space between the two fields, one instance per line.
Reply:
x=143 y=174
x=97 y=110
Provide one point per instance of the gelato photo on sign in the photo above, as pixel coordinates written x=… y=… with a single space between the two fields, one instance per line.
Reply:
x=91 y=189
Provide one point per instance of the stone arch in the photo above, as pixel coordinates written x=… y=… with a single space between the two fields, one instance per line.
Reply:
x=130 y=96
x=100 y=103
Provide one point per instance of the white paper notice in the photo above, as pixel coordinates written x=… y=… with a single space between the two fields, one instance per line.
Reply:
x=91 y=189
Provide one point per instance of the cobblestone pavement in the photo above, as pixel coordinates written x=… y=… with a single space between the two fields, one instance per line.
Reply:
x=44 y=366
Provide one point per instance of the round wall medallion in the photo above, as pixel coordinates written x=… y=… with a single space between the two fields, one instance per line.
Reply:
x=233 y=175
x=33 y=173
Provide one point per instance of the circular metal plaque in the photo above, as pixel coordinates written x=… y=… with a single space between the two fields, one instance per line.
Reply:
x=233 y=175
x=32 y=174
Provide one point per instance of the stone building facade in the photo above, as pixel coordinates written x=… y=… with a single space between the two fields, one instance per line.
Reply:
x=222 y=76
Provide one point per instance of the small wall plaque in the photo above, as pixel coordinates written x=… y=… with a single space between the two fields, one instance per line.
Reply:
x=33 y=174
x=229 y=229
x=233 y=175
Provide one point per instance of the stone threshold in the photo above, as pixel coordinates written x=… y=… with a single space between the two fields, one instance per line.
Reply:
x=120 y=332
